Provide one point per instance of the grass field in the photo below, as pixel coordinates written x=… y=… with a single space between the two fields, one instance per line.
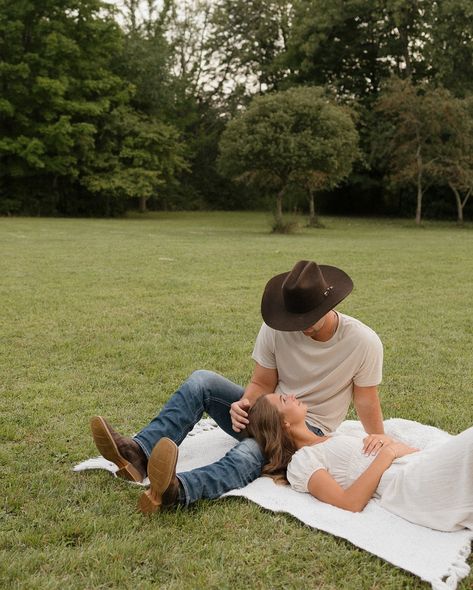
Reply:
x=109 y=316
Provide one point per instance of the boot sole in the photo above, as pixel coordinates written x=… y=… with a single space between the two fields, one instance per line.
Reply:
x=161 y=470
x=107 y=447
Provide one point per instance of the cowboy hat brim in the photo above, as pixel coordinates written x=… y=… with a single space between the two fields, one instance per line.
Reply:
x=276 y=315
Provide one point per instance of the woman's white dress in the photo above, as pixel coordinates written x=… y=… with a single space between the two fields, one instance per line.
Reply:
x=433 y=487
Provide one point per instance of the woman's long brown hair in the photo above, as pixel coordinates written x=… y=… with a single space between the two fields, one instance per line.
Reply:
x=267 y=428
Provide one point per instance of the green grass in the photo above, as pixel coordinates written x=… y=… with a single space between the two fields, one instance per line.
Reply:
x=109 y=316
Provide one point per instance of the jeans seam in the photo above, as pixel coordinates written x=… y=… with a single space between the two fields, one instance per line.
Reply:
x=251 y=475
x=220 y=401
x=186 y=490
x=195 y=419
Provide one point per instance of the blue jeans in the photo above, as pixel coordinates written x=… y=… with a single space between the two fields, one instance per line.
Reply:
x=205 y=391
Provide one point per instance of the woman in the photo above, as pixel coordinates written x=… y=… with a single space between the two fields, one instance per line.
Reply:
x=432 y=487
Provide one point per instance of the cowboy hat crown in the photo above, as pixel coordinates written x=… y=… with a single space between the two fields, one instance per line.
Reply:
x=297 y=299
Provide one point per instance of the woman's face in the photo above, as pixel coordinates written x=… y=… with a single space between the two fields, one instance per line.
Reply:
x=292 y=410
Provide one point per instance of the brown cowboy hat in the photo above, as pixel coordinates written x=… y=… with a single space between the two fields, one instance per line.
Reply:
x=297 y=299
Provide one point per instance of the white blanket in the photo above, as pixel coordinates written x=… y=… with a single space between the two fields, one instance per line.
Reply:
x=436 y=557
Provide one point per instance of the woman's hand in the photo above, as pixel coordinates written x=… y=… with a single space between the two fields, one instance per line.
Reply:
x=399 y=449
x=373 y=443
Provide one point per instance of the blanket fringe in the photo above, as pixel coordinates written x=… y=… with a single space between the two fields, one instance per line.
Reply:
x=456 y=572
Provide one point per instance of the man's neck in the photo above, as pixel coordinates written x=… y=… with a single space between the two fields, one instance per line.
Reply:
x=328 y=329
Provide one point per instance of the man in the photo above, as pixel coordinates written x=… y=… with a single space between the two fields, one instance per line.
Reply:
x=305 y=348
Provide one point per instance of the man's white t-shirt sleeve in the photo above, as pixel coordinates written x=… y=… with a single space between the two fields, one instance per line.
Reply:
x=264 y=350
x=370 y=372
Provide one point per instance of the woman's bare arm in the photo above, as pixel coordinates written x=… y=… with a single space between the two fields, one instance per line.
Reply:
x=323 y=487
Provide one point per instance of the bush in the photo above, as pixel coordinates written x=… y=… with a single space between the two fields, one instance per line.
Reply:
x=285 y=225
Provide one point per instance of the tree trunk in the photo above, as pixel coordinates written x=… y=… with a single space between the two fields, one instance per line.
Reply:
x=279 y=206
x=107 y=205
x=419 y=188
x=419 y=203
x=312 y=215
x=459 y=204
x=404 y=37
x=142 y=204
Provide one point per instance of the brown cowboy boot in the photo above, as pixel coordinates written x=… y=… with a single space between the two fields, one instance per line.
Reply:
x=164 y=489
x=121 y=450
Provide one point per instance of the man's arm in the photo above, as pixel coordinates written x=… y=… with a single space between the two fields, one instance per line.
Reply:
x=262 y=381
x=368 y=408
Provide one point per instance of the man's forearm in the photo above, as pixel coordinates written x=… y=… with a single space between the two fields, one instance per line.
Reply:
x=263 y=381
x=255 y=390
x=370 y=415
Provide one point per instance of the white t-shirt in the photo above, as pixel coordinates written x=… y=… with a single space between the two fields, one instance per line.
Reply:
x=322 y=374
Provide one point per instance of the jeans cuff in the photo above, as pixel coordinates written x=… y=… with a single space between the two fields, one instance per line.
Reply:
x=142 y=447
x=183 y=497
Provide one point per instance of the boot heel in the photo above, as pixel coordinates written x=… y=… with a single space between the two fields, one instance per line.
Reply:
x=147 y=504
x=130 y=472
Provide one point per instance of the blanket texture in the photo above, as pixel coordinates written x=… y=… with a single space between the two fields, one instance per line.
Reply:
x=435 y=557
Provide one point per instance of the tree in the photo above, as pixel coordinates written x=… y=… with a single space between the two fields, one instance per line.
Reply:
x=146 y=59
x=84 y=109
x=352 y=47
x=423 y=140
x=295 y=136
x=448 y=47
x=154 y=148
x=454 y=164
x=169 y=59
x=137 y=156
x=355 y=45
x=247 y=38
x=57 y=90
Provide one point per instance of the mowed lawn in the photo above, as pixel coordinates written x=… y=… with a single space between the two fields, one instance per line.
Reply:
x=109 y=316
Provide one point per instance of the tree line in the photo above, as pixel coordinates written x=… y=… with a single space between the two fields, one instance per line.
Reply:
x=353 y=106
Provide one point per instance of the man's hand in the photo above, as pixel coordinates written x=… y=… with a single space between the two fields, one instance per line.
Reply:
x=373 y=443
x=262 y=381
x=239 y=414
